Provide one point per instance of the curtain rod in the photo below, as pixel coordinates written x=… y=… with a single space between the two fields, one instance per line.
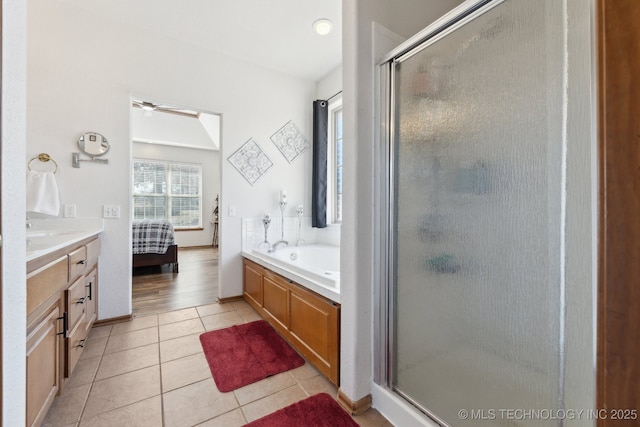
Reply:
x=334 y=95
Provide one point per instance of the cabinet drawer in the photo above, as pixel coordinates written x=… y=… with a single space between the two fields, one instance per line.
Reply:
x=46 y=281
x=77 y=262
x=74 y=346
x=76 y=298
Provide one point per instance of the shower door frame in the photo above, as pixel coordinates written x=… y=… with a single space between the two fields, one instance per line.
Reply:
x=384 y=327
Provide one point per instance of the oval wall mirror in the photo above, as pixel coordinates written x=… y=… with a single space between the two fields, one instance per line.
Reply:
x=93 y=144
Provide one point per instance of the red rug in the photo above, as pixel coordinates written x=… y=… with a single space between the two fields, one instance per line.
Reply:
x=319 y=410
x=244 y=354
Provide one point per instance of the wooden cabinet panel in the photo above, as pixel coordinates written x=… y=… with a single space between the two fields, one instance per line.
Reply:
x=77 y=263
x=275 y=300
x=74 y=346
x=75 y=303
x=43 y=364
x=310 y=322
x=253 y=283
x=91 y=296
x=46 y=281
x=93 y=251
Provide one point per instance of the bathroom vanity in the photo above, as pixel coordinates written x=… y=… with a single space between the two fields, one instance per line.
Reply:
x=308 y=320
x=62 y=292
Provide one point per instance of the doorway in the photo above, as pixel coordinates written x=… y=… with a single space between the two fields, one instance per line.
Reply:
x=176 y=189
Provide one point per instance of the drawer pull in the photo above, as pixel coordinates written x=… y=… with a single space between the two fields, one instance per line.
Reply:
x=81 y=300
x=89 y=285
x=82 y=261
x=81 y=343
x=64 y=325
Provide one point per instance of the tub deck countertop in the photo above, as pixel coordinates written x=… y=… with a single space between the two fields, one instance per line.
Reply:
x=330 y=292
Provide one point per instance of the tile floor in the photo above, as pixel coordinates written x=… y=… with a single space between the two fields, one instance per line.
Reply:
x=152 y=372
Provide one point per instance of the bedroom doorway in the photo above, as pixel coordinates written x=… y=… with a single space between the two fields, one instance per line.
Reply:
x=175 y=158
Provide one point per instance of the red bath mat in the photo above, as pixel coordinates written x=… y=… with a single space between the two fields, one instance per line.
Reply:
x=244 y=354
x=319 y=410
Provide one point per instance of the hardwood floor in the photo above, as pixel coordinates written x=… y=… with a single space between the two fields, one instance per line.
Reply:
x=159 y=289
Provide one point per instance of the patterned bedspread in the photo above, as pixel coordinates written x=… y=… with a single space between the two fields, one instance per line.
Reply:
x=152 y=236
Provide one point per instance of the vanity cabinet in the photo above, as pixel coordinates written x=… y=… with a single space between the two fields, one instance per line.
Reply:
x=61 y=308
x=310 y=322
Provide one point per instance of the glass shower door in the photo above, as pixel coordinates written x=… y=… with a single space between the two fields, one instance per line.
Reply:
x=477 y=297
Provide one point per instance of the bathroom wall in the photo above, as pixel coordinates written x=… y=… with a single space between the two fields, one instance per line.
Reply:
x=358 y=257
x=210 y=162
x=82 y=71
x=12 y=177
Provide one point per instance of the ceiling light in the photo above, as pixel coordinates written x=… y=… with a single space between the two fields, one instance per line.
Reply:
x=322 y=26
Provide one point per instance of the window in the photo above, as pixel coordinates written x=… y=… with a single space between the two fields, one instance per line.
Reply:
x=168 y=190
x=334 y=170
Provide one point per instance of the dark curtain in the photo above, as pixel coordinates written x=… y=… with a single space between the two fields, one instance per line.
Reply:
x=319 y=177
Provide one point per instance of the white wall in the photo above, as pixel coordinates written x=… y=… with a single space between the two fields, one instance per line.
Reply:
x=357 y=242
x=81 y=74
x=14 y=291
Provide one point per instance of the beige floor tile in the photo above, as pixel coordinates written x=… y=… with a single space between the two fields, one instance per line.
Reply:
x=123 y=390
x=180 y=329
x=196 y=403
x=271 y=403
x=67 y=407
x=304 y=372
x=188 y=370
x=260 y=389
x=131 y=340
x=180 y=347
x=84 y=372
x=230 y=419
x=99 y=332
x=177 y=316
x=113 y=364
x=135 y=324
x=208 y=310
x=222 y=320
x=94 y=348
x=240 y=305
x=319 y=384
x=249 y=315
x=146 y=413
x=372 y=418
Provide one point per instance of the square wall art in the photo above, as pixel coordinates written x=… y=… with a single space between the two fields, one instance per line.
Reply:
x=290 y=141
x=250 y=161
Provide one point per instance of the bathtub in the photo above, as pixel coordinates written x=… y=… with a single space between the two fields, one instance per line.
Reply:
x=316 y=267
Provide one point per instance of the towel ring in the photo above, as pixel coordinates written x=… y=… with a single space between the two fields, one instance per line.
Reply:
x=43 y=157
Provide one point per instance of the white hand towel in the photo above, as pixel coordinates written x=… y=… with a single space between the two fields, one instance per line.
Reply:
x=42 y=193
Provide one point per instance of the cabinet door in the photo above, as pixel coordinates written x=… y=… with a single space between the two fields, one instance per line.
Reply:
x=275 y=299
x=43 y=366
x=76 y=303
x=253 y=283
x=91 y=296
x=315 y=325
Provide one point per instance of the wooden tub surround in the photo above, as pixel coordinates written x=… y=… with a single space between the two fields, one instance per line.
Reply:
x=307 y=320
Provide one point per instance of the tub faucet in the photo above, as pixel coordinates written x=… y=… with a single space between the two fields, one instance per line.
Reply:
x=278 y=243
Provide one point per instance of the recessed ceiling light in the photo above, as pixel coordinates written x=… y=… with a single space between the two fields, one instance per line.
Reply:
x=322 y=26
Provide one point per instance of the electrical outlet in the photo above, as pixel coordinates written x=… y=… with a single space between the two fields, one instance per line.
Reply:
x=69 y=211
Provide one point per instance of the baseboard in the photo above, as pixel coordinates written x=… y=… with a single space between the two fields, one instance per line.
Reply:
x=230 y=299
x=354 y=408
x=113 y=320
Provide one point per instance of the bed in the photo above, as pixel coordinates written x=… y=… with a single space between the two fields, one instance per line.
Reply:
x=154 y=244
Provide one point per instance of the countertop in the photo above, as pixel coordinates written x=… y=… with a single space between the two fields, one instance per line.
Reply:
x=49 y=235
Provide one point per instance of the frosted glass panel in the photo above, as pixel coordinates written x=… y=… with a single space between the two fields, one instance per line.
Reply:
x=477 y=198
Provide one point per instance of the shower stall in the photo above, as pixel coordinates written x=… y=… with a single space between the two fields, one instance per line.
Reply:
x=487 y=302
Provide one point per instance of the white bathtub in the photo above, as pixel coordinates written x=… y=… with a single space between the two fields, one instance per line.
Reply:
x=316 y=267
